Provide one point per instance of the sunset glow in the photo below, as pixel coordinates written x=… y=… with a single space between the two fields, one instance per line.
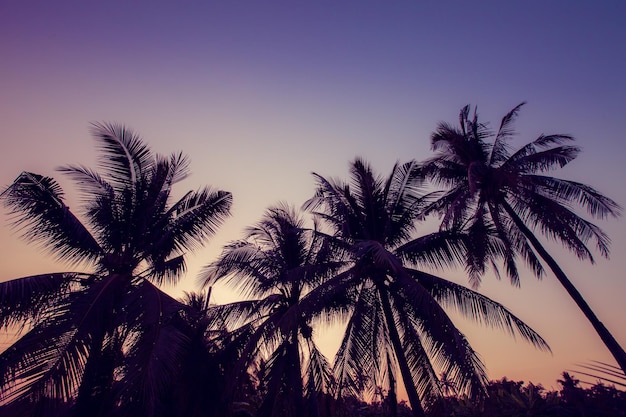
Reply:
x=262 y=94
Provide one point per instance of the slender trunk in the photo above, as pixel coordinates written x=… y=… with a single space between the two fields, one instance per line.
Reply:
x=405 y=371
x=392 y=399
x=296 y=370
x=92 y=390
x=614 y=347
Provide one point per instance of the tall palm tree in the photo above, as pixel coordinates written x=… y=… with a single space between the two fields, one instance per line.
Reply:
x=104 y=339
x=491 y=189
x=396 y=316
x=276 y=264
x=200 y=384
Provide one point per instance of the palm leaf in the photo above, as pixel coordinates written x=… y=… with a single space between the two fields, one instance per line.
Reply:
x=319 y=370
x=159 y=346
x=197 y=216
x=124 y=155
x=36 y=204
x=355 y=363
x=447 y=347
x=28 y=298
x=596 y=204
x=438 y=250
x=472 y=305
x=499 y=150
x=88 y=181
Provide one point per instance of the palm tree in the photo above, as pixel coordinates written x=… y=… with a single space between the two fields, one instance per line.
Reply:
x=276 y=264
x=106 y=340
x=199 y=387
x=396 y=316
x=490 y=189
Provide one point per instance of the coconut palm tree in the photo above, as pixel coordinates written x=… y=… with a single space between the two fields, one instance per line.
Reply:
x=105 y=339
x=395 y=310
x=198 y=391
x=276 y=264
x=491 y=189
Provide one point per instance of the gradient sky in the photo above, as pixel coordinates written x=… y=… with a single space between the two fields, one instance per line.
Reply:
x=262 y=93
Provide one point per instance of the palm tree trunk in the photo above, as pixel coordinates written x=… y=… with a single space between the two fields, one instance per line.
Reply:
x=392 y=399
x=405 y=371
x=92 y=391
x=296 y=370
x=614 y=347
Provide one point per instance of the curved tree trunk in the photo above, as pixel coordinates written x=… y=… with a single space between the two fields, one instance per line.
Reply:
x=614 y=347
x=405 y=371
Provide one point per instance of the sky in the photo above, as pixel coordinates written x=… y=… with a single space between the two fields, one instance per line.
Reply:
x=262 y=94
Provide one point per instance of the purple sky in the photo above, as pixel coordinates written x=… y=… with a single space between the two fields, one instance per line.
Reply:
x=260 y=94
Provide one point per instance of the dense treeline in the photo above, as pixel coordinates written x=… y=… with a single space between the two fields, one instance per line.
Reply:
x=105 y=340
x=505 y=399
x=513 y=398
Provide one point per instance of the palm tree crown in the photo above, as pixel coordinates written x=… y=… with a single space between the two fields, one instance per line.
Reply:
x=396 y=312
x=275 y=266
x=107 y=336
x=494 y=191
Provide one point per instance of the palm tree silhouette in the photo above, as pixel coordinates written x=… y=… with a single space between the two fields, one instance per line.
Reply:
x=107 y=340
x=447 y=386
x=201 y=377
x=396 y=316
x=493 y=191
x=276 y=264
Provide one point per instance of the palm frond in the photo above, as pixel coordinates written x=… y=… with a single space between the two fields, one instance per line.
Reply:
x=319 y=370
x=558 y=222
x=88 y=180
x=541 y=161
x=595 y=203
x=480 y=245
x=178 y=168
x=435 y=250
x=544 y=141
x=499 y=149
x=29 y=298
x=166 y=271
x=455 y=207
x=49 y=360
x=241 y=265
x=474 y=306
x=355 y=364
x=197 y=216
x=446 y=346
x=603 y=372
x=422 y=371
x=124 y=155
x=236 y=314
x=38 y=211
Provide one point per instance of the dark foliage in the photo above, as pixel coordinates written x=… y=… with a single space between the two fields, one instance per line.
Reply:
x=512 y=398
x=106 y=341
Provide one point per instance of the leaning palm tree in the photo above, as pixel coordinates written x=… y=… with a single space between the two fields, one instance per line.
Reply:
x=104 y=339
x=277 y=263
x=491 y=190
x=395 y=309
